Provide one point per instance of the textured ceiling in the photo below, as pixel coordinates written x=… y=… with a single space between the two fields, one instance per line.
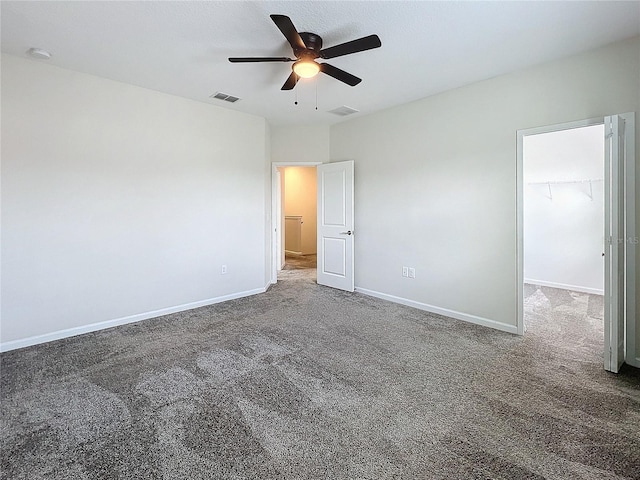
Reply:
x=181 y=48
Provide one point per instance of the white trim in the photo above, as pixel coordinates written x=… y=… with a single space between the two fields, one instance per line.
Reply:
x=276 y=223
x=290 y=252
x=295 y=164
x=485 y=322
x=630 y=246
x=589 y=122
x=520 y=232
x=563 y=286
x=93 y=327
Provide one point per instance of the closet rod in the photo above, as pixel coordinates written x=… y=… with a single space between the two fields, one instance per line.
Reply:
x=562 y=182
x=567 y=182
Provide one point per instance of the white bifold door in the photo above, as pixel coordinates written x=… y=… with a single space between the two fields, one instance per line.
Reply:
x=616 y=247
x=335 y=225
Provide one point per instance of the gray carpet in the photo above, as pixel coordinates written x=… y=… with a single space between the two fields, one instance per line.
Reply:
x=300 y=262
x=306 y=382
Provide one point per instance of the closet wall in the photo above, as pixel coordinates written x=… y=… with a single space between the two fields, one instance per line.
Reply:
x=564 y=209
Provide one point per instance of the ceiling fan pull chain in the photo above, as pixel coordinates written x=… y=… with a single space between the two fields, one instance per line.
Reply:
x=296 y=102
x=316 y=93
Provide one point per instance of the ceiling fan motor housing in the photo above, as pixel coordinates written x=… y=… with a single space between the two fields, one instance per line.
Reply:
x=313 y=43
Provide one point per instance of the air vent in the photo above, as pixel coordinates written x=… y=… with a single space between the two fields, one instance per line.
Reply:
x=224 y=96
x=343 y=111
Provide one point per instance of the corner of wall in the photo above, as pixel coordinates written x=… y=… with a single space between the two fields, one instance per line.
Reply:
x=268 y=260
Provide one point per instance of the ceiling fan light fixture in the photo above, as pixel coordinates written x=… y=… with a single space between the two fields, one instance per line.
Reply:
x=306 y=68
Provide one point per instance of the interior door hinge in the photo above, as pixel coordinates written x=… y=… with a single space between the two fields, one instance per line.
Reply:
x=609 y=129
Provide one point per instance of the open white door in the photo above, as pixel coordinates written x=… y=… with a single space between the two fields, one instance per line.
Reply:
x=335 y=225
x=614 y=253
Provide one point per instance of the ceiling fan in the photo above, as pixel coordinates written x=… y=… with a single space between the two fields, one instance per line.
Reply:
x=307 y=47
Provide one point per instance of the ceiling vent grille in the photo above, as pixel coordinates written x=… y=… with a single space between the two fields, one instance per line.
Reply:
x=343 y=111
x=224 y=96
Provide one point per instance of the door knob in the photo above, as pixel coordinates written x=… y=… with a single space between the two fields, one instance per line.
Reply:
x=348 y=232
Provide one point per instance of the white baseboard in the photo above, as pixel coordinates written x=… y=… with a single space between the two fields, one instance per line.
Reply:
x=93 y=327
x=291 y=252
x=563 y=286
x=485 y=322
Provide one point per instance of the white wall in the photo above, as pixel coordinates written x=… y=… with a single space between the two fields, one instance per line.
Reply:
x=435 y=180
x=121 y=201
x=300 y=143
x=563 y=229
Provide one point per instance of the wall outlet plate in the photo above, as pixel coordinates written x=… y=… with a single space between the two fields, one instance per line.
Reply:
x=405 y=271
x=412 y=273
x=223 y=270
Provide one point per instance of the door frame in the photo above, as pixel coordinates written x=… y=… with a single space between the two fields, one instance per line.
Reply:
x=277 y=238
x=629 y=203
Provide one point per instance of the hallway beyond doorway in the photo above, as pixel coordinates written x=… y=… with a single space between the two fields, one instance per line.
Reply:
x=299 y=262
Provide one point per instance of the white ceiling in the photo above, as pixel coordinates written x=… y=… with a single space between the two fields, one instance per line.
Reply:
x=181 y=48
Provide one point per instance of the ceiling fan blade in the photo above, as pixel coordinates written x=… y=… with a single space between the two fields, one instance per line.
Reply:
x=291 y=82
x=285 y=25
x=354 y=46
x=259 y=59
x=338 y=74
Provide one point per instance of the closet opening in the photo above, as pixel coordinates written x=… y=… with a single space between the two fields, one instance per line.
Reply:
x=563 y=174
x=576 y=238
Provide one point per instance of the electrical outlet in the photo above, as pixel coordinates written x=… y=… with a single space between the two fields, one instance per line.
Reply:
x=405 y=271
x=223 y=270
x=412 y=272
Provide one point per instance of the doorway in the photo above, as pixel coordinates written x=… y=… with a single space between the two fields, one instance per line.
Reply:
x=334 y=223
x=564 y=209
x=299 y=219
x=563 y=239
x=299 y=207
x=576 y=200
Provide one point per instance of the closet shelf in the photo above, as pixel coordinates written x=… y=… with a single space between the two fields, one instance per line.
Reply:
x=563 y=182
x=569 y=182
